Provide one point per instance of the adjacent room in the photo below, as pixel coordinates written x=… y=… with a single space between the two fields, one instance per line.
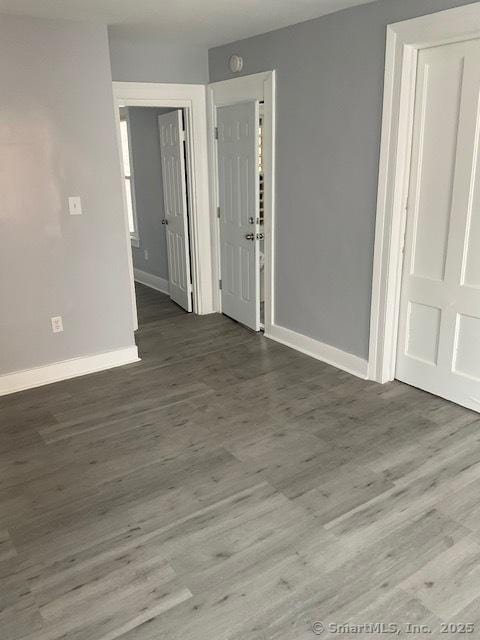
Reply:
x=155 y=180
x=240 y=319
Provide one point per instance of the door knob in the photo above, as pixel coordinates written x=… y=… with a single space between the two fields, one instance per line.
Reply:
x=164 y=221
x=250 y=236
x=251 y=220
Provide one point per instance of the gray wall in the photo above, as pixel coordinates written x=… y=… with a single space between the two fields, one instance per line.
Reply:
x=58 y=139
x=147 y=167
x=143 y=57
x=329 y=102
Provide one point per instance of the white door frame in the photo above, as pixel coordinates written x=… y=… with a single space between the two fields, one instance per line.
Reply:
x=259 y=86
x=190 y=97
x=404 y=40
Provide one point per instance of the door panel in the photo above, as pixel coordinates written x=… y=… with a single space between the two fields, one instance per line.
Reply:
x=439 y=325
x=438 y=113
x=467 y=356
x=238 y=186
x=175 y=200
x=423 y=331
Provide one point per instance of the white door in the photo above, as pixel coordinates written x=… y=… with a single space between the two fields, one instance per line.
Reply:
x=238 y=189
x=172 y=137
x=439 y=327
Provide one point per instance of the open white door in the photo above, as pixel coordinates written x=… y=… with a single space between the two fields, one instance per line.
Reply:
x=238 y=191
x=439 y=329
x=172 y=137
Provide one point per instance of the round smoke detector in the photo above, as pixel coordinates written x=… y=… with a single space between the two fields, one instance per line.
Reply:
x=235 y=63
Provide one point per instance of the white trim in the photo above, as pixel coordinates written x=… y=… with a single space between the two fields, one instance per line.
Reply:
x=319 y=350
x=259 y=86
x=133 y=300
x=404 y=40
x=152 y=281
x=192 y=98
x=21 y=380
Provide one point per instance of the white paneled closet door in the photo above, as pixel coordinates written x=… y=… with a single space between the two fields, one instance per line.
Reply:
x=439 y=324
x=172 y=139
x=238 y=191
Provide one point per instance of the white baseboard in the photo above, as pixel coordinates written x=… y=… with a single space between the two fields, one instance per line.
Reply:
x=319 y=350
x=27 y=379
x=149 y=280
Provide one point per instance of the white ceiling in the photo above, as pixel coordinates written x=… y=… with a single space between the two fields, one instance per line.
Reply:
x=200 y=22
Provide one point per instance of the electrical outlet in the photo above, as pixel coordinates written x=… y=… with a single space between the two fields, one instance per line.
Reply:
x=57 y=324
x=145 y=253
x=75 y=205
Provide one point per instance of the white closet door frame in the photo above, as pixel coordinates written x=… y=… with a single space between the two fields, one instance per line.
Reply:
x=191 y=98
x=259 y=86
x=404 y=40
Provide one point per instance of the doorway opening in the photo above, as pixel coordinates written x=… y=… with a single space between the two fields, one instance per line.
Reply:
x=425 y=319
x=241 y=113
x=156 y=186
x=184 y=181
x=261 y=216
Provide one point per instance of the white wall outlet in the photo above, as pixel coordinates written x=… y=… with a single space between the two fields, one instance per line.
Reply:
x=75 y=205
x=57 y=324
x=145 y=253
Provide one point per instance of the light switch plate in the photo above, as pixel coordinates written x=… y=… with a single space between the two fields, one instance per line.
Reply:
x=75 y=205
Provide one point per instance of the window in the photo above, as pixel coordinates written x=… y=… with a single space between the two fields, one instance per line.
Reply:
x=129 y=186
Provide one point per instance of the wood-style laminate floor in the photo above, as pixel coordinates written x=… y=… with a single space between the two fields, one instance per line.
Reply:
x=229 y=488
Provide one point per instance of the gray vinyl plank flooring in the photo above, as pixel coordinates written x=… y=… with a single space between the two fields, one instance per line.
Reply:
x=229 y=488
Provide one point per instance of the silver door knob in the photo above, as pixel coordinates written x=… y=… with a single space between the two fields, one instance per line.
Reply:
x=251 y=220
x=164 y=221
x=250 y=236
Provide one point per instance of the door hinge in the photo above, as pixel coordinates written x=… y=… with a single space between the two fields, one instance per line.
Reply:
x=218 y=212
x=220 y=285
x=216 y=133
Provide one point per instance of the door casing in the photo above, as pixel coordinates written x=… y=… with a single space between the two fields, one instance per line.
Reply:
x=261 y=87
x=191 y=98
x=404 y=40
